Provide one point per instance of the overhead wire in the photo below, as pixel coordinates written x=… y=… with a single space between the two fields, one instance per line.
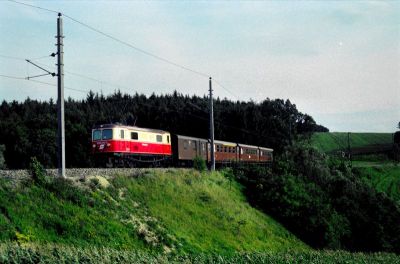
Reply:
x=226 y=89
x=126 y=44
x=114 y=85
x=41 y=82
x=74 y=73
x=150 y=54
x=34 y=6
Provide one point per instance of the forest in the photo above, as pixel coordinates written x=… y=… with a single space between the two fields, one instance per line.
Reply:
x=29 y=129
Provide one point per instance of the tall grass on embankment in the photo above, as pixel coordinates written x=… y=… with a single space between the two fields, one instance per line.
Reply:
x=32 y=254
x=166 y=210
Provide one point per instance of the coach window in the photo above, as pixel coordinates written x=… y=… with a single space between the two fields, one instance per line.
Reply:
x=122 y=134
x=185 y=144
x=134 y=135
x=159 y=138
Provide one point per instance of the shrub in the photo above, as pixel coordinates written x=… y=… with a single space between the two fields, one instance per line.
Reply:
x=199 y=163
x=38 y=172
x=323 y=203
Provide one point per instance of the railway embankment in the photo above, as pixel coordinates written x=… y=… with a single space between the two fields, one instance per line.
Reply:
x=158 y=210
x=77 y=172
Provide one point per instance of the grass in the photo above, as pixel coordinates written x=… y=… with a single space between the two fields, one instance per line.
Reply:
x=53 y=253
x=207 y=212
x=160 y=216
x=171 y=210
x=62 y=213
x=384 y=178
x=328 y=142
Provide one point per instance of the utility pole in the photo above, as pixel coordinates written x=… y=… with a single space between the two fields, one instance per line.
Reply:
x=60 y=99
x=349 y=149
x=212 y=168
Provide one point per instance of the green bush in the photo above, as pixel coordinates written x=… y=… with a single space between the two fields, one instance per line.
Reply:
x=199 y=164
x=323 y=203
x=38 y=172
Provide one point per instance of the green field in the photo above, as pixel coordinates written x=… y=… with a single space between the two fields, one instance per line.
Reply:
x=384 y=178
x=167 y=210
x=328 y=142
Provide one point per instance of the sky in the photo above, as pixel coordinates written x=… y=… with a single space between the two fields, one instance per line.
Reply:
x=338 y=61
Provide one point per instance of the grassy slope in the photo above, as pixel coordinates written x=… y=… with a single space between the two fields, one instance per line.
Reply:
x=207 y=212
x=327 y=142
x=385 y=178
x=164 y=210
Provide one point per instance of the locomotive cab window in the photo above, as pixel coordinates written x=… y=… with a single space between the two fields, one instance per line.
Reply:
x=134 y=135
x=107 y=134
x=167 y=139
x=96 y=134
x=159 y=138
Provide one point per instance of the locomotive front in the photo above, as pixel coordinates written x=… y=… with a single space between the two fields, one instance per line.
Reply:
x=128 y=146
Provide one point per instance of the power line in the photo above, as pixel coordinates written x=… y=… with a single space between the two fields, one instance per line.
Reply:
x=34 y=6
x=85 y=91
x=45 y=83
x=11 y=57
x=160 y=58
x=226 y=89
x=139 y=49
x=69 y=72
x=120 y=41
x=23 y=59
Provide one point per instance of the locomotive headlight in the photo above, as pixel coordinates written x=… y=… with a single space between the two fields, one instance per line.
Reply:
x=94 y=145
x=108 y=144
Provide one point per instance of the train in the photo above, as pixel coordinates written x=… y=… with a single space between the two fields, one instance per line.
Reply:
x=117 y=145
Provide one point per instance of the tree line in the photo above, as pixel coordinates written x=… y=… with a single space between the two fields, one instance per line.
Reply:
x=29 y=129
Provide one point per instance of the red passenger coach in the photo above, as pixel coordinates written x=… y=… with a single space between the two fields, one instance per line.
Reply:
x=123 y=145
x=248 y=153
x=265 y=154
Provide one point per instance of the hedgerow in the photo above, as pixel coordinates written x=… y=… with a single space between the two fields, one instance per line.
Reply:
x=323 y=202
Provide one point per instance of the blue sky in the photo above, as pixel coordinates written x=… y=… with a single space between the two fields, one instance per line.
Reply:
x=337 y=61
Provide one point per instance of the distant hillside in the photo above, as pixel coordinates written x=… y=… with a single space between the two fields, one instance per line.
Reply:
x=167 y=210
x=328 y=142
